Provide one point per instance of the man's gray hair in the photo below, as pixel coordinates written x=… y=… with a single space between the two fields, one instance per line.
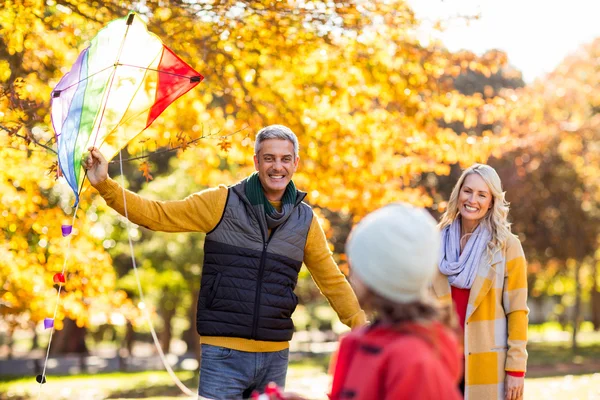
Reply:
x=276 y=132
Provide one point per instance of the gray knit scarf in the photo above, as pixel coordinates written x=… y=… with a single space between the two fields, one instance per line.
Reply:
x=256 y=195
x=461 y=269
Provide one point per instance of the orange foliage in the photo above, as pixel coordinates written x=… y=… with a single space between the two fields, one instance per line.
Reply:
x=32 y=249
x=371 y=106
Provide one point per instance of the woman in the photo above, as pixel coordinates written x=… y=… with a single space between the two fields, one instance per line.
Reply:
x=483 y=271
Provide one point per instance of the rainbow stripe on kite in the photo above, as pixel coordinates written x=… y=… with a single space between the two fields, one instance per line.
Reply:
x=117 y=87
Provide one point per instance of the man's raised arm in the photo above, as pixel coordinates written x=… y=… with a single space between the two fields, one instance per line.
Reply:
x=199 y=212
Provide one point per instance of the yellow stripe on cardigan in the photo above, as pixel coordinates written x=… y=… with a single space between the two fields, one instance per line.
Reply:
x=516 y=270
x=487 y=308
x=483 y=368
x=517 y=325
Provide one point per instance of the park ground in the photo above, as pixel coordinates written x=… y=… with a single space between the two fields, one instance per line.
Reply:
x=555 y=372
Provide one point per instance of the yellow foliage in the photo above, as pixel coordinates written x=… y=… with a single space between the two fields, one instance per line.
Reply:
x=565 y=106
x=32 y=248
x=367 y=100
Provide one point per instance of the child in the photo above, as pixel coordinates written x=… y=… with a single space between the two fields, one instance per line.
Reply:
x=407 y=353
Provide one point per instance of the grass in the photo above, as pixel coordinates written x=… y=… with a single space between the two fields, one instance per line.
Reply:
x=310 y=381
x=546 y=359
x=550 y=353
x=555 y=372
x=98 y=386
x=542 y=355
x=146 y=385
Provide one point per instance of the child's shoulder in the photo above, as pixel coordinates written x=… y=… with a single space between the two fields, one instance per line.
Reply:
x=394 y=337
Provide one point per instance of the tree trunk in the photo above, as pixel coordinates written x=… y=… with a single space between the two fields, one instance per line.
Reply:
x=35 y=341
x=166 y=334
x=129 y=337
x=576 y=307
x=595 y=298
x=71 y=339
x=10 y=341
x=190 y=336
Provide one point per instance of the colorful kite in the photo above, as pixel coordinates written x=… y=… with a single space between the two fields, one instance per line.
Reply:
x=118 y=86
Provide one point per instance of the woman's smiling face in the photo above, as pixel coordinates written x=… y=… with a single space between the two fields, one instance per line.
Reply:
x=474 y=199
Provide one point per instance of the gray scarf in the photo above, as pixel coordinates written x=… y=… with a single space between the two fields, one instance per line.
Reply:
x=461 y=269
x=256 y=195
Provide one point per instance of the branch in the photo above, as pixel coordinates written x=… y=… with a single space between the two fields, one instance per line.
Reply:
x=27 y=139
x=115 y=10
x=12 y=132
x=178 y=147
x=32 y=139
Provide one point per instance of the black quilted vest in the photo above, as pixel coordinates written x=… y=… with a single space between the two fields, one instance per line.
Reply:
x=248 y=277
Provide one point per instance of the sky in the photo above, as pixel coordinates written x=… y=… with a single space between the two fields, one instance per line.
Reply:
x=537 y=35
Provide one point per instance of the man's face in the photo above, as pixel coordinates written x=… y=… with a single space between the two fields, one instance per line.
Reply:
x=276 y=164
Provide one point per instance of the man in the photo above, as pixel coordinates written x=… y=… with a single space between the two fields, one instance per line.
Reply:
x=258 y=234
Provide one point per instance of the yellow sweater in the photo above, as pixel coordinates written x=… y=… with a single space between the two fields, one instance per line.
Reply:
x=201 y=212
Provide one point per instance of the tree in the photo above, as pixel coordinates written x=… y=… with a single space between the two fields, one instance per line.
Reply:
x=559 y=116
x=558 y=236
x=369 y=102
x=364 y=96
x=33 y=250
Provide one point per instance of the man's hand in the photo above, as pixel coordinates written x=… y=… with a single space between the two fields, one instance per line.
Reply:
x=513 y=387
x=96 y=166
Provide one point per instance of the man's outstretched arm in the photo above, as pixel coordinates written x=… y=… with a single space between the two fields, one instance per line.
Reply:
x=199 y=212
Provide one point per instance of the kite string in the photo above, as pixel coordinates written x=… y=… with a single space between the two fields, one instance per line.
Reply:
x=67 y=255
x=174 y=377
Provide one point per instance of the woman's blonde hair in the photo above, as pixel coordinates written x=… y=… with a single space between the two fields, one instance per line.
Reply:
x=496 y=219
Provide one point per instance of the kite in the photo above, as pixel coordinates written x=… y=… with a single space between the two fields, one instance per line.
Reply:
x=117 y=87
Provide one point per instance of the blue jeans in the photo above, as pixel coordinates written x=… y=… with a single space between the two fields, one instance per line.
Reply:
x=227 y=374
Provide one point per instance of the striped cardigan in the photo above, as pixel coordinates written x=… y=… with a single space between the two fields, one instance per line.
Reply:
x=496 y=322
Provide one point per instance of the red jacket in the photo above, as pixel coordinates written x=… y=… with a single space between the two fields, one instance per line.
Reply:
x=408 y=361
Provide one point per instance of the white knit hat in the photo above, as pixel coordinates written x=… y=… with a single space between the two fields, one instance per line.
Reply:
x=395 y=251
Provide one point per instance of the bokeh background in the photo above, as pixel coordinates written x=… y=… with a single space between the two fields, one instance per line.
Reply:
x=389 y=99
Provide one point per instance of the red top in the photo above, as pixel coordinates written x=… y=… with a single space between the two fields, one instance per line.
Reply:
x=407 y=361
x=460 y=298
